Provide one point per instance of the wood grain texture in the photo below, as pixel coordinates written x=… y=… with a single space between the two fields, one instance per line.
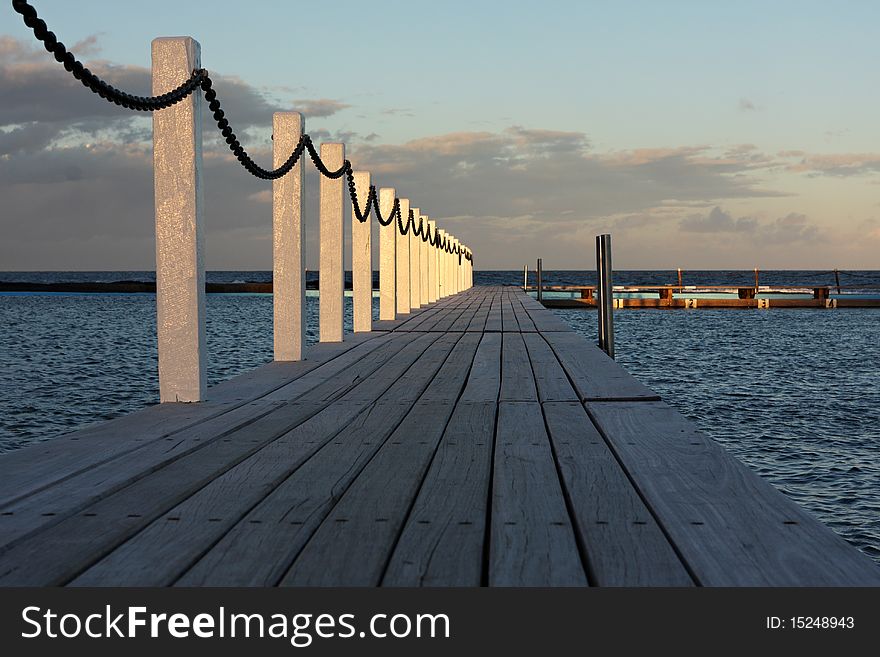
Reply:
x=532 y=539
x=731 y=527
x=443 y=539
x=623 y=544
x=517 y=379
x=595 y=376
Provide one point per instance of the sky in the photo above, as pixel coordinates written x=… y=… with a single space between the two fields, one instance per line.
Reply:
x=701 y=135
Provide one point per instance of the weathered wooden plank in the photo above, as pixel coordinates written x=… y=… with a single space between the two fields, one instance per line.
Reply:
x=28 y=470
x=551 y=380
x=532 y=539
x=59 y=552
x=160 y=553
x=526 y=324
x=623 y=543
x=478 y=323
x=369 y=515
x=187 y=474
x=443 y=539
x=731 y=527
x=595 y=376
x=508 y=319
x=493 y=321
x=484 y=378
x=517 y=379
x=259 y=549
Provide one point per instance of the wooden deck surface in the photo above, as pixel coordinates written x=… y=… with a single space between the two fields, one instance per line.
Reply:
x=478 y=441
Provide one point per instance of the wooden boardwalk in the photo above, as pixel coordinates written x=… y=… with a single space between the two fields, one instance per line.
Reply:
x=477 y=442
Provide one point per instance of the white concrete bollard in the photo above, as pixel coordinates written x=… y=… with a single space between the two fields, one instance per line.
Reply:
x=387 y=256
x=180 y=263
x=441 y=268
x=331 y=234
x=424 y=297
x=414 y=263
x=431 y=255
x=403 y=262
x=288 y=231
x=361 y=260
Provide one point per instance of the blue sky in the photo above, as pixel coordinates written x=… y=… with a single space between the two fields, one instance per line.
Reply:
x=725 y=133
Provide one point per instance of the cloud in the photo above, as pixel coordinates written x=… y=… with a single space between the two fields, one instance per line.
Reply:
x=717 y=221
x=833 y=164
x=793 y=227
x=320 y=107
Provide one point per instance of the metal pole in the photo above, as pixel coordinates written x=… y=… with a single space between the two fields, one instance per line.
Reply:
x=540 y=282
x=837 y=280
x=679 y=280
x=756 y=281
x=606 y=298
x=525 y=276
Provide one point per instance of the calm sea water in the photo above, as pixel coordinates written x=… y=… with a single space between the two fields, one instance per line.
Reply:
x=792 y=392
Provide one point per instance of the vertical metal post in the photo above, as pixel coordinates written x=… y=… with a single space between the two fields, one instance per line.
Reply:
x=540 y=275
x=180 y=262
x=837 y=280
x=331 y=233
x=679 y=280
x=756 y=281
x=361 y=262
x=387 y=256
x=525 y=276
x=606 y=294
x=288 y=282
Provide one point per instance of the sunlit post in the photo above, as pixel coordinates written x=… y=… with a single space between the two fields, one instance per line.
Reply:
x=180 y=263
x=331 y=231
x=288 y=279
x=361 y=260
x=387 y=256
x=403 y=262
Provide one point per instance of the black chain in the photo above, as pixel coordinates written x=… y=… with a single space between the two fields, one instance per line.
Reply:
x=200 y=79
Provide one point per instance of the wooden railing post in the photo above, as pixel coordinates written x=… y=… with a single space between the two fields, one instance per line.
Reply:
x=403 y=262
x=288 y=278
x=441 y=268
x=387 y=256
x=432 y=265
x=361 y=261
x=414 y=264
x=180 y=263
x=331 y=233
x=424 y=297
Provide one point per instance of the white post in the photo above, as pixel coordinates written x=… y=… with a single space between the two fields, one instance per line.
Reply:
x=403 y=262
x=361 y=261
x=180 y=262
x=331 y=263
x=441 y=268
x=455 y=269
x=432 y=265
x=387 y=256
x=414 y=263
x=424 y=298
x=288 y=279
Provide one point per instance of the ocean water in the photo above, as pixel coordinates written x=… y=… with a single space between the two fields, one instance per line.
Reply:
x=792 y=392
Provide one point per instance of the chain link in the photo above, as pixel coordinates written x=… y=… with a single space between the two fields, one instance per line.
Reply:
x=200 y=79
